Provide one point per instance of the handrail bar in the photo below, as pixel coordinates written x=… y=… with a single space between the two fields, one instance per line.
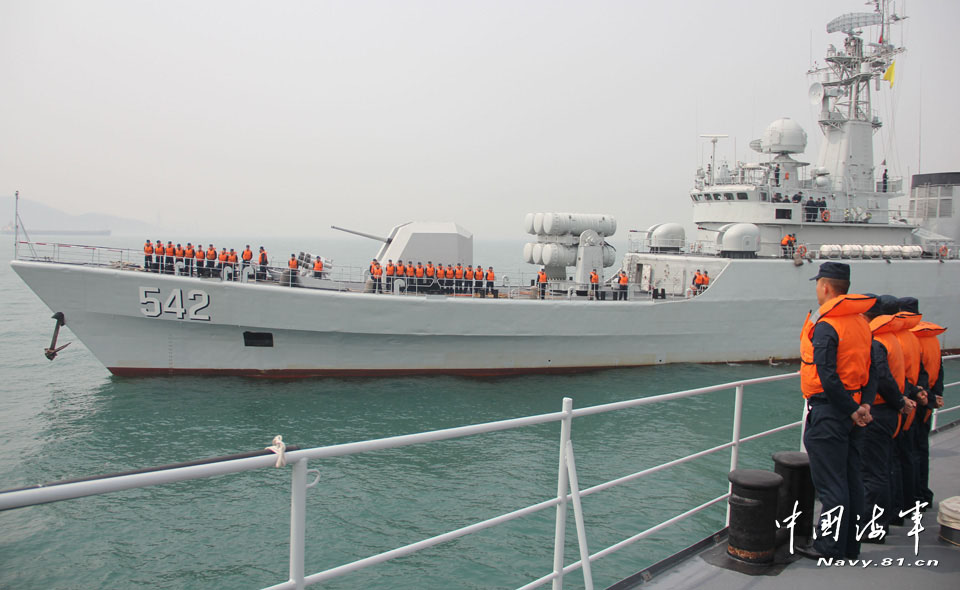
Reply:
x=31 y=496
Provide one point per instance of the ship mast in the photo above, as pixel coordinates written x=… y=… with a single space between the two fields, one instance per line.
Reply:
x=843 y=92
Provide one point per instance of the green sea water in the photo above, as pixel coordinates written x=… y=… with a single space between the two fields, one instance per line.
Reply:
x=71 y=418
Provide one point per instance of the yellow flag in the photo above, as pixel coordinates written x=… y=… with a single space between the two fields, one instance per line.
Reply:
x=888 y=75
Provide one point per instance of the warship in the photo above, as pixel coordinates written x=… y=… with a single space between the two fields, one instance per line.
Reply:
x=762 y=227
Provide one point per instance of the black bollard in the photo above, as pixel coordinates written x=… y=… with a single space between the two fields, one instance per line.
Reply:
x=794 y=468
x=753 y=514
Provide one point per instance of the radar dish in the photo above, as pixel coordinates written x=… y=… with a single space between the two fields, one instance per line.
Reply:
x=815 y=93
x=848 y=23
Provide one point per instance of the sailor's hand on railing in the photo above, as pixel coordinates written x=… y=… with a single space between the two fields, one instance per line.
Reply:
x=939 y=402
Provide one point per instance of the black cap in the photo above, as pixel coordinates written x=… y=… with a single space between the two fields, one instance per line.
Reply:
x=889 y=304
x=909 y=304
x=877 y=308
x=833 y=270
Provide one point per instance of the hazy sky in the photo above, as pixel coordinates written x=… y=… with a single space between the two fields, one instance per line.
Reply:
x=285 y=117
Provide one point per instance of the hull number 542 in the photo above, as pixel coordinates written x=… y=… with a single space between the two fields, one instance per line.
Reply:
x=153 y=305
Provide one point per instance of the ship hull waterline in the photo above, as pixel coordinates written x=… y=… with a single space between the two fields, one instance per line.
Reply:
x=752 y=312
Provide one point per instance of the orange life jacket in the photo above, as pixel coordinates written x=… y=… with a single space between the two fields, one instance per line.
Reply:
x=232 y=257
x=189 y=252
x=292 y=263
x=490 y=275
x=927 y=333
x=594 y=278
x=706 y=280
x=178 y=252
x=390 y=269
x=148 y=248
x=223 y=256
x=468 y=274
x=170 y=250
x=910 y=344
x=211 y=253
x=884 y=328
x=785 y=241
x=541 y=277
x=449 y=273
x=623 y=279
x=458 y=273
x=263 y=258
x=430 y=270
x=247 y=254
x=853 y=351
x=318 y=265
x=410 y=270
x=377 y=271
x=698 y=278
x=419 y=271
x=200 y=254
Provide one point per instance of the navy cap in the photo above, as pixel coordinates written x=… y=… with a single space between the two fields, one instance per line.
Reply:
x=889 y=304
x=909 y=304
x=877 y=308
x=833 y=270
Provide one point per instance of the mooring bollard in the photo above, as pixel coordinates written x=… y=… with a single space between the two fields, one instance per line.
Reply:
x=753 y=514
x=794 y=468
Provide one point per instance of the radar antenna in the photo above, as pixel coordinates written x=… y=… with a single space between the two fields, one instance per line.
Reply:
x=713 y=164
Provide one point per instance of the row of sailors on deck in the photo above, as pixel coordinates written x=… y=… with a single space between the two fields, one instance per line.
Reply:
x=871 y=374
x=450 y=279
x=209 y=262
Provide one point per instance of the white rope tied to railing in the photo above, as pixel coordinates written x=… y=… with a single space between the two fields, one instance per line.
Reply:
x=279 y=448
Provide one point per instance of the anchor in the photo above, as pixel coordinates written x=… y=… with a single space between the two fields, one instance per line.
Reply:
x=51 y=353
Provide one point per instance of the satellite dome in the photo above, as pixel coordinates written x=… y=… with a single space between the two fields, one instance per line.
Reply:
x=784 y=136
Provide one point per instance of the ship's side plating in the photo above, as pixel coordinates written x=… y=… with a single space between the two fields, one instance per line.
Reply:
x=752 y=311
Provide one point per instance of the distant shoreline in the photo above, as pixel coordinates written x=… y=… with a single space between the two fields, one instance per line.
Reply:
x=58 y=232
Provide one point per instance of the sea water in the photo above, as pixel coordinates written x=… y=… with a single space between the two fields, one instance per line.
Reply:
x=71 y=418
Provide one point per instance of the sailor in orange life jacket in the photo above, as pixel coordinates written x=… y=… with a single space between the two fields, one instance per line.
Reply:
x=542 y=282
x=318 y=267
x=148 y=255
x=292 y=263
x=419 y=273
x=401 y=271
x=188 y=256
x=468 y=280
x=704 y=281
x=697 y=282
x=168 y=256
x=905 y=482
x=458 y=278
x=247 y=257
x=594 y=285
x=624 y=282
x=491 y=277
x=200 y=256
x=877 y=448
x=377 y=272
x=211 y=260
x=430 y=272
x=478 y=280
x=931 y=379
x=390 y=272
x=158 y=256
x=837 y=383
x=448 y=274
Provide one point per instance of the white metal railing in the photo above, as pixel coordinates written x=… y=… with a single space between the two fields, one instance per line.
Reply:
x=568 y=489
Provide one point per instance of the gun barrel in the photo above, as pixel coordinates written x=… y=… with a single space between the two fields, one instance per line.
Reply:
x=360 y=233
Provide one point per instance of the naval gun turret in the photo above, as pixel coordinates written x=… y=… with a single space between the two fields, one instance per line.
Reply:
x=570 y=239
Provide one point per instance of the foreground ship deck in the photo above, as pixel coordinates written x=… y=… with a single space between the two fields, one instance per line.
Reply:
x=935 y=566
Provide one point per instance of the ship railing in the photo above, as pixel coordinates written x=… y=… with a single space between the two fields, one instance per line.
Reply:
x=568 y=492
x=79 y=254
x=893 y=185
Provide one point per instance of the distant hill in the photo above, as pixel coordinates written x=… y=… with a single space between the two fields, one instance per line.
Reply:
x=39 y=217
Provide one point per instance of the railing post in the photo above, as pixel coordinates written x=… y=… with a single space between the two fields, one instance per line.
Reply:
x=578 y=517
x=803 y=426
x=562 y=484
x=298 y=518
x=933 y=420
x=735 y=449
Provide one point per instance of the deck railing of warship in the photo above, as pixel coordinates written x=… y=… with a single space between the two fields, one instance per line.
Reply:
x=568 y=494
x=512 y=285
